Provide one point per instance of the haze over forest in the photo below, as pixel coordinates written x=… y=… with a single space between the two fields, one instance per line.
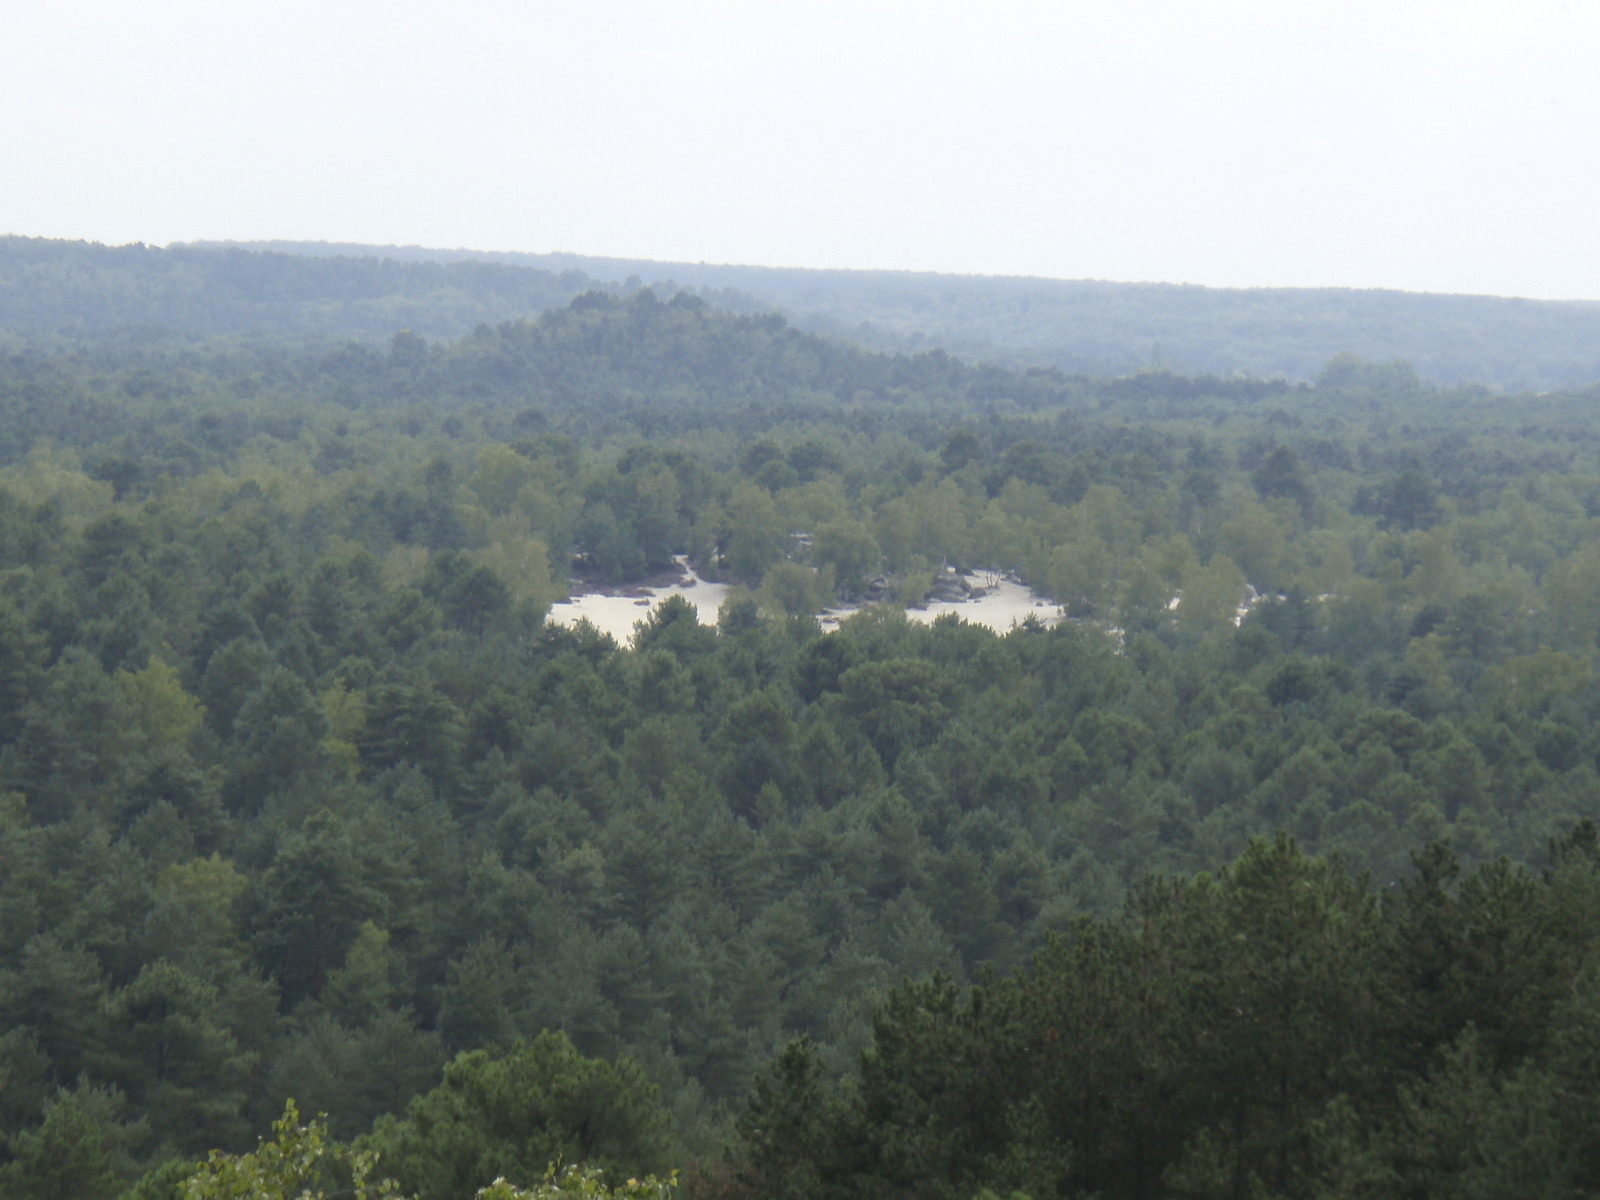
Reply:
x=1268 y=867
x=1087 y=327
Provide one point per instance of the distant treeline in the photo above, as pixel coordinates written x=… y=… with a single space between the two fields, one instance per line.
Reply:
x=80 y=288
x=1081 y=327
x=1102 y=328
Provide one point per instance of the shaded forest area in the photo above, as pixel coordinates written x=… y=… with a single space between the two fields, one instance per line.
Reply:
x=303 y=798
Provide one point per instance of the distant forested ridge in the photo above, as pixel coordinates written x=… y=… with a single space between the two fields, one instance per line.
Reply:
x=1102 y=328
x=87 y=288
x=336 y=291
x=302 y=797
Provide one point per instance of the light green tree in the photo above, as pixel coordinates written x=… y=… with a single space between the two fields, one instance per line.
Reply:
x=160 y=712
x=299 y=1163
x=1082 y=576
x=510 y=1114
x=579 y=1181
x=789 y=589
x=756 y=532
x=851 y=550
x=1211 y=596
x=502 y=473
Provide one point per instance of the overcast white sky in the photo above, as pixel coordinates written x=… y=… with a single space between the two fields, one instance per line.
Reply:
x=1439 y=146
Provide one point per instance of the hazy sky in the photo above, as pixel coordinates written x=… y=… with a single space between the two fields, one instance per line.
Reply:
x=1441 y=146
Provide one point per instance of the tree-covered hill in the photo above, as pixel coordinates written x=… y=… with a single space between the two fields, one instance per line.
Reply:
x=87 y=288
x=1103 y=328
x=1081 y=327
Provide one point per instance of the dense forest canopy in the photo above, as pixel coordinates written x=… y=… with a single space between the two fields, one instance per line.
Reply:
x=1263 y=872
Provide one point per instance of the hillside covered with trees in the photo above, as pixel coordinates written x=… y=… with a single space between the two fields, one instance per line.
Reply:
x=84 y=288
x=1100 y=327
x=339 y=291
x=302 y=798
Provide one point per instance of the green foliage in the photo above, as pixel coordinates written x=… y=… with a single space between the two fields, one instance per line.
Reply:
x=82 y=1150
x=215 y=291
x=298 y=1163
x=509 y=1115
x=581 y=1181
x=850 y=549
x=1271 y=1030
x=300 y=795
x=168 y=1044
x=169 y=1181
x=787 y=1129
x=342 y=291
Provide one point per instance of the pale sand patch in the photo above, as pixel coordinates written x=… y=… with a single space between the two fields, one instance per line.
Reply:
x=1003 y=605
x=616 y=614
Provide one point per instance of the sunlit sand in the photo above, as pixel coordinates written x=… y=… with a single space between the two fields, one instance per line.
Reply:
x=1005 y=603
x=616 y=614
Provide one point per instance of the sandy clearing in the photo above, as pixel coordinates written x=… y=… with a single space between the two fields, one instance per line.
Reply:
x=1005 y=603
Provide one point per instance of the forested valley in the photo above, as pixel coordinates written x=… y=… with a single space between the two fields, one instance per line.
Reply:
x=1269 y=870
